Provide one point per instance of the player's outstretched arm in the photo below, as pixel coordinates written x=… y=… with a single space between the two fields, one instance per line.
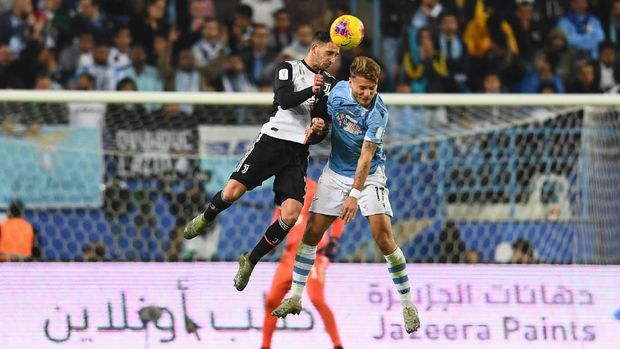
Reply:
x=349 y=208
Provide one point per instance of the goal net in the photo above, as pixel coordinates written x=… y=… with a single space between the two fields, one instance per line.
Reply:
x=116 y=176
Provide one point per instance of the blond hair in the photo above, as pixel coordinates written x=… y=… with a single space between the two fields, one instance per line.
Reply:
x=365 y=67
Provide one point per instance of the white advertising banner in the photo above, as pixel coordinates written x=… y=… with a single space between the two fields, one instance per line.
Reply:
x=194 y=305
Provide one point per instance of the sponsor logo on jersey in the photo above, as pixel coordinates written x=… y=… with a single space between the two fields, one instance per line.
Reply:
x=348 y=124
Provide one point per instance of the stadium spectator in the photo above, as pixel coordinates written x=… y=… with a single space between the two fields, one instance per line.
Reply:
x=104 y=74
x=472 y=257
x=234 y=76
x=47 y=63
x=522 y=252
x=427 y=16
x=186 y=78
x=528 y=31
x=119 y=53
x=541 y=72
x=145 y=27
x=611 y=20
x=146 y=77
x=583 y=30
x=94 y=252
x=16 y=25
x=241 y=30
x=561 y=56
x=56 y=28
x=9 y=75
x=257 y=57
x=282 y=32
x=393 y=22
x=17 y=237
x=607 y=69
x=89 y=17
x=451 y=47
x=86 y=114
x=192 y=22
x=425 y=69
x=76 y=55
x=585 y=81
x=301 y=43
x=125 y=116
x=546 y=87
x=209 y=50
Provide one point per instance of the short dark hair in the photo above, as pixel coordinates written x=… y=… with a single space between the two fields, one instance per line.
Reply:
x=245 y=11
x=524 y=246
x=321 y=36
x=16 y=208
x=124 y=82
x=279 y=12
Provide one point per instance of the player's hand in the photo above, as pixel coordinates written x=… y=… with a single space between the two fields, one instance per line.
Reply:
x=318 y=83
x=317 y=125
x=349 y=209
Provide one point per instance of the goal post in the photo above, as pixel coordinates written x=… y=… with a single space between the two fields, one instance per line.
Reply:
x=467 y=173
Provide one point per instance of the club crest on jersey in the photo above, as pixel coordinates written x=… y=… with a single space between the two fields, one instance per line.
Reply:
x=348 y=124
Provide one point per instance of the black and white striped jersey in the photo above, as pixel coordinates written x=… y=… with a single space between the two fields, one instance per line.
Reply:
x=293 y=101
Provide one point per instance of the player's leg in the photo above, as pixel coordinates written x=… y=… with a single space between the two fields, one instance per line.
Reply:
x=290 y=188
x=253 y=168
x=325 y=208
x=222 y=200
x=375 y=206
x=275 y=234
x=316 y=292
x=381 y=228
x=279 y=286
x=304 y=261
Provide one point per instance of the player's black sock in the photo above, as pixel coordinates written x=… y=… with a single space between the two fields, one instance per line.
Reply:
x=273 y=236
x=216 y=206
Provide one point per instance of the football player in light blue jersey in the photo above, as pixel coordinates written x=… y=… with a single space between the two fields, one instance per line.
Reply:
x=354 y=176
x=354 y=123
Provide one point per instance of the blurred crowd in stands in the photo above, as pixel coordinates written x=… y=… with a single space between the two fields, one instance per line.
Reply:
x=452 y=46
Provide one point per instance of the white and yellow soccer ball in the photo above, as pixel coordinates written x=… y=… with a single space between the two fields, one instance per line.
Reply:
x=347 y=32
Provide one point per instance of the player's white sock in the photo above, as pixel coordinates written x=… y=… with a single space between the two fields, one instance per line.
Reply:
x=304 y=260
x=397 y=266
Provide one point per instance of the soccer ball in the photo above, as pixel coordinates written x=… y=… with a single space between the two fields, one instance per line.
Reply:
x=347 y=32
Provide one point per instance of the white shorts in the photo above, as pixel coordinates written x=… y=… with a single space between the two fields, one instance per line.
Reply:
x=333 y=189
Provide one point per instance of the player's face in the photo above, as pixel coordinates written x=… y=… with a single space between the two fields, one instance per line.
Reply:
x=325 y=55
x=362 y=89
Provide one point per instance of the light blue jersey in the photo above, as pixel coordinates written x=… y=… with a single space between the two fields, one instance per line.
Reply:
x=351 y=125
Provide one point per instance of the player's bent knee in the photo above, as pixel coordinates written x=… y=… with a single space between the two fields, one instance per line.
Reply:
x=290 y=214
x=386 y=244
x=233 y=191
